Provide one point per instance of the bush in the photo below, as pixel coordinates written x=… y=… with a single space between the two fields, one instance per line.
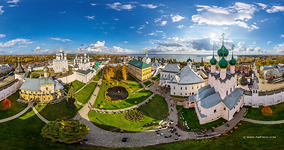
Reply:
x=66 y=131
x=266 y=111
x=6 y=104
x=134 y=115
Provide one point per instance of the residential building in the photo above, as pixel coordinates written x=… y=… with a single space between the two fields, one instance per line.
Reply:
x=139 y=69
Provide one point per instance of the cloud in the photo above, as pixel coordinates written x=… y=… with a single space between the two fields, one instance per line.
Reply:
x=90 y=17
x=163 y=23
x=282 y=36
x=180 y=26
x=99 y=47
x=14 y=42
x=60 y=39
x=93 y=4
x=39 y=50
x=151 y=6
x=158 y=19
x=131 y=27
x=118 y=6
x=2 y=35
x=263 y=20
x=147 y=22
x=125 y=42
x=176 y=18
x=225 y=28
x=268 y=42
x=275 y=9
x=253 y=43
x=62 y=12
x=13 y=5
x=153 y=33
x=241 y=46
x=1 y=11
x=141 y=27
x=238 y=14
x=116 y=19
x=13 y=1
x=279 y=48
x=263 y=6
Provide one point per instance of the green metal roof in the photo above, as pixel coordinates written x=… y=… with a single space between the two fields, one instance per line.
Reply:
x=98 y=63
x=96 y=68
x=139 y=64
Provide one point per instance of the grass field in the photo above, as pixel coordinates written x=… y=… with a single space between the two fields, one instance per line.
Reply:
x=150 y=111
x=85 y=94
x=15 y=108
x=98 y=76
x=156 y=77
x=193 y=122
x=77 y=85
x=277 y=110
x=147 y=83
x=58 y=111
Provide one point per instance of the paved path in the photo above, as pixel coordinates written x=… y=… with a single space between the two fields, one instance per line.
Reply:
x=263 y=122
x=39 y=115
x=17 y=115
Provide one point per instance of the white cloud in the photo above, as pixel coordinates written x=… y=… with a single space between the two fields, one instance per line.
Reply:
x=118 y=6
x=279 y=48
x=60 y=39
x=176 y=18
x=20 y=46
x=253 y=43
x=13 y=5
x=141 y=27
x=1 y=11
x=180 y=26
x=275 y=9
x=116 y=19
x=158 y=19
x=263 y=20
x=99 y=47
x=163 y=23
x=131 y=27
x=39 y=50
x=225 y=28
x=90 y=17
x=93 y=4
x=138 y=32
x=282 y=36
x=14 y=42
x=153 y=33
x=159 y=31
x=2 y=35
x=241 y=46
x=147 y=22
x=238 y=14
x=13 y=1
x=125 y=42
x=62 y=12
x=268 y=42
x=151 y=6
x=263 y=6
x=161 y=11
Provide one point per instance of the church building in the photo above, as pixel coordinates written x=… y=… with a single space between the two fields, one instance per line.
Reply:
x=60 y=64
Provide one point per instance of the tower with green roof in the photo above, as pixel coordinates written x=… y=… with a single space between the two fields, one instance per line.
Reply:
x=232 y=62
x=223 y=51
x=213 y=62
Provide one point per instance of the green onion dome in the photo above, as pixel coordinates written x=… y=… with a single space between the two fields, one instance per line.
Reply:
x=223 y=63
x=213 y=61
x=233 y=61
x=188 y=60
x=223 y=50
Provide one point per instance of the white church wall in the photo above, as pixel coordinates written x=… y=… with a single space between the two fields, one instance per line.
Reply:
x=4 y=93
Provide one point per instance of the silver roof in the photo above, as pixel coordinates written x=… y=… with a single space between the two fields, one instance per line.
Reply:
x=211 y=100
x=34 y=83
x=254 y=85
x=174 y=68
x=205 y=93
x=231 y=100
x=187 y=76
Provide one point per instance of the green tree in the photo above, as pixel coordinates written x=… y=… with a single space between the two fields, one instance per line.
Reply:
x=71 y=96
x=66 y=131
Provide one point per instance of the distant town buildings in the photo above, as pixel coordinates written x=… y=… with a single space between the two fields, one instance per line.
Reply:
x=5 y=68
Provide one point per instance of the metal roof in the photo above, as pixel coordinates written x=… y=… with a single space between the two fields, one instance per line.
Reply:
x=84 y=71
x=34 y=83
x=139 y=64
x=210 y=100
x=174 y=68
x=231 y=100
x=188 y=76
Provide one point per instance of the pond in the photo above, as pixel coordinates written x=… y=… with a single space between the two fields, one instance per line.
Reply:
x=117 y=93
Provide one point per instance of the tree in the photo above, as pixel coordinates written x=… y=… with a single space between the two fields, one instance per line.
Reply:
x=124 y=73
x=111 y=72
x=266 y=111
x=71 y=96
x=66 y=131
x=6 y=104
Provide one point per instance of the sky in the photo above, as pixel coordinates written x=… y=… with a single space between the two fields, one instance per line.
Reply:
x=133 y=27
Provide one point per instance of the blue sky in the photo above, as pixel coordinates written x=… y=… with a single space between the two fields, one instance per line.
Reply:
x=121 y=27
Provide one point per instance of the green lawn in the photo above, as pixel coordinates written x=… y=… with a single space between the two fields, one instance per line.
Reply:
x=156 y=77
x=77 y=85
x=147 y=83
x=16 y=107
x=58 y=111
x=98 y=76
x=84 y=95
x=150 y=111
x=35 y=75
x=130 y=101
x=26 y=133
x=193 y=122
x=255 y=113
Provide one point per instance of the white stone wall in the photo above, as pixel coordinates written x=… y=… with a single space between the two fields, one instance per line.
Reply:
x=265 y=100
x=224 y=89
x=165 y=75
x=68 y=79
x=10 y=90
x=185 y=90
